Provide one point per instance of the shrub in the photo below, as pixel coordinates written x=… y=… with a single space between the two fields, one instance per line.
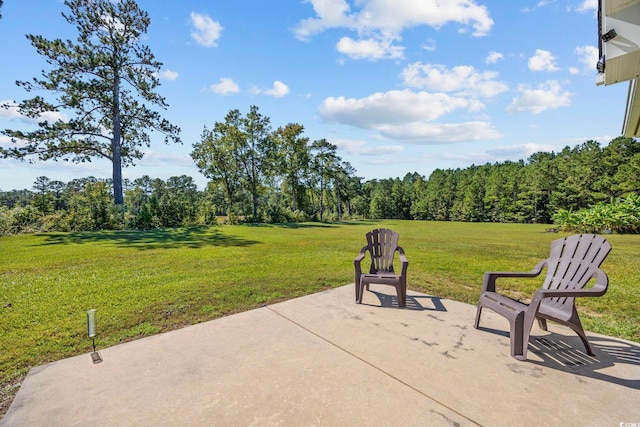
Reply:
x=619 y=216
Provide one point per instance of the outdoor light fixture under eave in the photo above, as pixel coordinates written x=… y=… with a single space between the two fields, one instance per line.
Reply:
x=91 y=332
x=609 y=35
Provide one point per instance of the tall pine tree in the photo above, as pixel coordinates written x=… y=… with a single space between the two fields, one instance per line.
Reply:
x=104 y=81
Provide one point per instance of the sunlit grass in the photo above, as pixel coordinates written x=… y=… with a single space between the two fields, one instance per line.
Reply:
x=143 y=283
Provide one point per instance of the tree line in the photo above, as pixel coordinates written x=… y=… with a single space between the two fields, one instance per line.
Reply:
x=533 y=191
x=105 y=103
x=256 y=175
x=280 y=176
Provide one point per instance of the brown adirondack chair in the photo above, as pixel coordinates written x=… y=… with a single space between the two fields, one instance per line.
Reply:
x=382 y=244
x=573 y=262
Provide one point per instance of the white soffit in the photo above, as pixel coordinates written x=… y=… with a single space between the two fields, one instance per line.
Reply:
x=613 y=6
x=622 y=52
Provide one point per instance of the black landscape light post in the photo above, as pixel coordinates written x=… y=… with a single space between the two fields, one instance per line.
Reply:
x=91 y=331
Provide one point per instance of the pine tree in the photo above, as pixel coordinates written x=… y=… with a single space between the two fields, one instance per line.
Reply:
x=104 y=81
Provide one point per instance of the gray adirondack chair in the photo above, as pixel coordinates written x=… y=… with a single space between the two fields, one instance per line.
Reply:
x=573 y=262
x=382 y=244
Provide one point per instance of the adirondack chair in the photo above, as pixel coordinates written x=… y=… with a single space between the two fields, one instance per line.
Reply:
x=382 y=244
x=573 y=262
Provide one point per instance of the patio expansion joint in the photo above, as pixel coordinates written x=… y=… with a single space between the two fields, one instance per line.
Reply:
x=388 y=374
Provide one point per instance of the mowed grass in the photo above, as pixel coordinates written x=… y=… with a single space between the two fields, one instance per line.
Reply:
x=147 y=282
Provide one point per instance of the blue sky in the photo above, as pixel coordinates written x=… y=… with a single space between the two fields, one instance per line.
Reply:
x=398 y=85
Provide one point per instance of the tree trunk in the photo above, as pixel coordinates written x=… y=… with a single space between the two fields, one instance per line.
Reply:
x=255 y=204
x=339 y=201
x=321 y=196
x=294 y=196
x=116 y=159
x=117 y=170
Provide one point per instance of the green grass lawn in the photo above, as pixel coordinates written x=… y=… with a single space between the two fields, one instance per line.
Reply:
x=143 y=283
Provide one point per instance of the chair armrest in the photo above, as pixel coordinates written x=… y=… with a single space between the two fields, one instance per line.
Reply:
x=489 y=280
x=357 y=260
x=404 y=261
x=598 y=289
x=602 y=282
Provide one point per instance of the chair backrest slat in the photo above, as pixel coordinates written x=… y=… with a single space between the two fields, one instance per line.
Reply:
x=571 y=263
x=382 y=244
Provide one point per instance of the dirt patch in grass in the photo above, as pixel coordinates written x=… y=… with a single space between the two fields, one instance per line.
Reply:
x=8 y=392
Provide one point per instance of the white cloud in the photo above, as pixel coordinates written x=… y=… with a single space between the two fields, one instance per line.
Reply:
x=429 y=45
x=9 y=110
x=510 y=152
x=538 y=5
x=442 y=132
x=278 y=90
x=6 y=141
x=167 y=75
x=523 y=151
x=588 y=5
x=331 y=14
x=362 y=148
x=369 y=49
x=577 y=140
x=546 y=96
x=225 y=86
x=542 y=61
x=463 y=79
x=109 y=22
x=206 y=31
x=390 y=107
x=12 y=112
x=463 y=157
x=385 y=20
x=408 y=115
x=494 y=57
x=588 y=58
x=160 y=159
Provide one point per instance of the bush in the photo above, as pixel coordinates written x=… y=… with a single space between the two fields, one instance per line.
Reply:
x=619 y=216
x=5 y=221
x=93 y=209
x=56 y=221
x=20 y=219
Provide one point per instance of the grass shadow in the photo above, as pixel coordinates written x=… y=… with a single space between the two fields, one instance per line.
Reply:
x=292 y=225
x=319 y=224
x=166 y=238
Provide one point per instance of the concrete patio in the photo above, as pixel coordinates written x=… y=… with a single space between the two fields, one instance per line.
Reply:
x=322 y=359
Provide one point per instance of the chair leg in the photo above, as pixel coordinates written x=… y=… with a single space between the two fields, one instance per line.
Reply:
x=575 y=324
x=542 y=323
x=585 y=341
x=518 y=343
x=478 y=312
x=402 y=298
x=360 y=292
